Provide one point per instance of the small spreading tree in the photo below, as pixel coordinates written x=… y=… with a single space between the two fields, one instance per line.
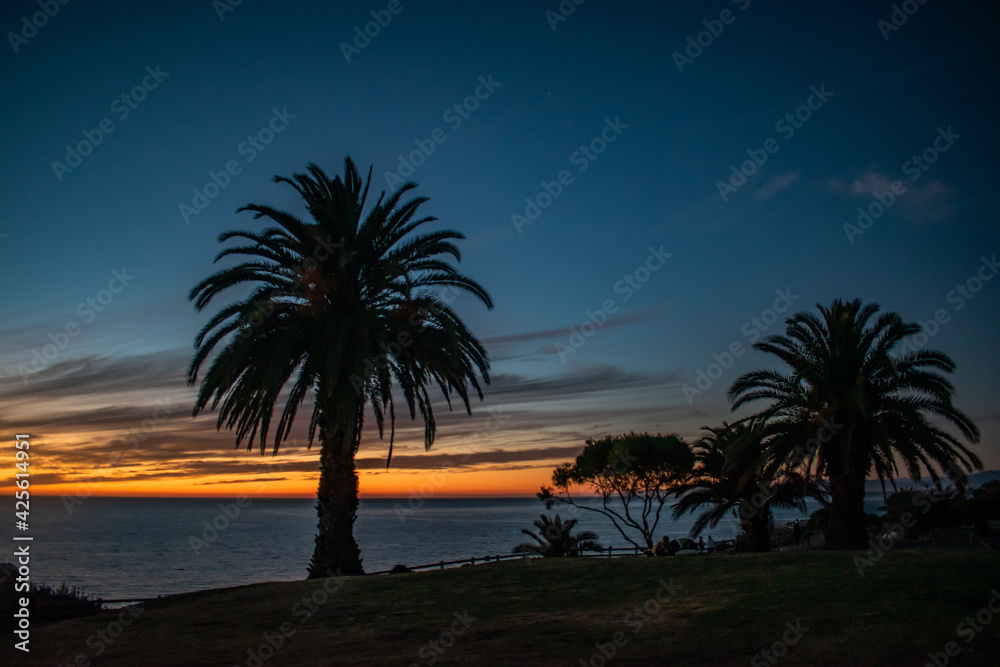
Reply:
x=633 y=475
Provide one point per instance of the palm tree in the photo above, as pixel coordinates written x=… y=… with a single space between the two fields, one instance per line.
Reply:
x=555 y=538
x=349 y=304
x=851 y=405
x=734 y=477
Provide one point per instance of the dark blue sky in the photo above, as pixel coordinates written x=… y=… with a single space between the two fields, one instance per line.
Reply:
x=609 y=67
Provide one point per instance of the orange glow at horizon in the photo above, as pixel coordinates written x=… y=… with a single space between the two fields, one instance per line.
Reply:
x=373 y=484
x=470 y=482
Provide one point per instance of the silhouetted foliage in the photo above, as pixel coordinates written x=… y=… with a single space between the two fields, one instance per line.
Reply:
x=633 y=475
x=922 y=511
x=983 y=506
x=819 y=519
x=555 y=539
x=341 y=308
x=735 y=477
x=47 y=604
x=850 y=405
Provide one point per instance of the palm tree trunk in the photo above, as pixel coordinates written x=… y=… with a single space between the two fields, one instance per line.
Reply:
x=847 y=529
x=336 y=550
x=755 y=533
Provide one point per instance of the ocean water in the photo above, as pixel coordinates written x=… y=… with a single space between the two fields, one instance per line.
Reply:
x=144 y=547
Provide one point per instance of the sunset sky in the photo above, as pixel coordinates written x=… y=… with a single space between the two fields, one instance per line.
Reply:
x=590 y=160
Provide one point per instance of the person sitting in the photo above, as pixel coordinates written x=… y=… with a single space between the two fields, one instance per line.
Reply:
x=662 y=547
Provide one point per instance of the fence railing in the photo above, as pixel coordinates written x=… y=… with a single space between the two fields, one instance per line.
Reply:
x=608 y=552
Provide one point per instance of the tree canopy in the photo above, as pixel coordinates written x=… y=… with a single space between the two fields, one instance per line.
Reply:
x=632 y=474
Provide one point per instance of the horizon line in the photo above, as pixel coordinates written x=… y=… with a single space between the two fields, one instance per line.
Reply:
x=296 y=497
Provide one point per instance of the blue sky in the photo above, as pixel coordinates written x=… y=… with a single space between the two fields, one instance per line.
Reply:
x=552 y=92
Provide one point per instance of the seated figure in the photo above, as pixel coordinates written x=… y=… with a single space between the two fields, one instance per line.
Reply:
x=662 y=547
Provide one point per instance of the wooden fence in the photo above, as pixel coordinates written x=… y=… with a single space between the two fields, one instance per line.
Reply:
x=609 y=552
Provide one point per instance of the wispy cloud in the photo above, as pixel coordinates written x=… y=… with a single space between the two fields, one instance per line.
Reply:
x=550 y=334
x=777 y=184
x=129 y=419
x=925 y=202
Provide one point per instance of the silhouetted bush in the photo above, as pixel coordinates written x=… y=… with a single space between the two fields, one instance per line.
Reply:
x=47 y=605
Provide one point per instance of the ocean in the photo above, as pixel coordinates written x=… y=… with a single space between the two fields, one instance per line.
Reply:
x=144 y=547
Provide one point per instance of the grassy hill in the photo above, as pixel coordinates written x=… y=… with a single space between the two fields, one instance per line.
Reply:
x=810 y=607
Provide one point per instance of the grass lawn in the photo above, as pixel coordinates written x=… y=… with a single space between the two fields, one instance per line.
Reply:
x=718 y=610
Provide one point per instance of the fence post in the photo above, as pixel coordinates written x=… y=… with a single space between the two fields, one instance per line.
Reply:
x=441 y=564
x=609 y=552
x=473 y=560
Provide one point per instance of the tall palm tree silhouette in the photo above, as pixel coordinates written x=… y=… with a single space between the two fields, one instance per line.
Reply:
x=850 y=405
x=341 y=308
